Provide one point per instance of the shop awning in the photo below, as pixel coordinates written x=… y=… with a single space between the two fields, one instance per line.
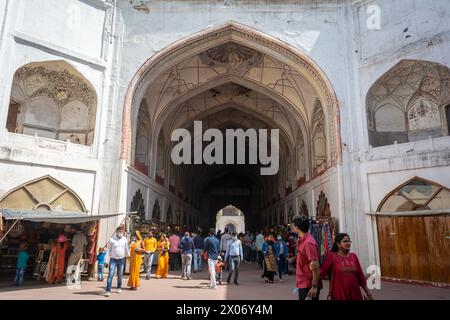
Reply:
x=63 y=217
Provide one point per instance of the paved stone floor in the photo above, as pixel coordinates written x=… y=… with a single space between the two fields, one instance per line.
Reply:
x=251 y=287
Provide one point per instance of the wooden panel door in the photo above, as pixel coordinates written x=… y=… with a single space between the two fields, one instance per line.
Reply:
x=387 y=235
x=403 y=248
x=438 y=247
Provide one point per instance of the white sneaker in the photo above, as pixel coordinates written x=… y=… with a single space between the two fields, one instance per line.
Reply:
x=119 y=290
x=213 y=287
x=107 y=294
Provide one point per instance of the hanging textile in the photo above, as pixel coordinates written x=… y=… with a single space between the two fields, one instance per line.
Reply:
x=323 y=231
x=92 y=250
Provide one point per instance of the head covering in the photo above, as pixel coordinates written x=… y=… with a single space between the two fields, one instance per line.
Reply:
x=279 y=237
x=138 y=235
x=219 y=258
x=61 y=238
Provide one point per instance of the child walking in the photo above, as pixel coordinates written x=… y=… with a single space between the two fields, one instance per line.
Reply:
x=219 y=269
x=22 y=260
x=101 y=264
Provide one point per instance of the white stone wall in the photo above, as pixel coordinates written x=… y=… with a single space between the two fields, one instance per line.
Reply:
x=76 y=32
x=108 y=54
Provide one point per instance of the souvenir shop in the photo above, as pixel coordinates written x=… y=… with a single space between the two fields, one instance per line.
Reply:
x=54 y=241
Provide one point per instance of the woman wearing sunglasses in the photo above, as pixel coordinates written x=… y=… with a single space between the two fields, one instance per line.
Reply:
x=344 y=271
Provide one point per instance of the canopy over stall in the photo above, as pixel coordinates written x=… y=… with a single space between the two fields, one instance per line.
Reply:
x=61 y=217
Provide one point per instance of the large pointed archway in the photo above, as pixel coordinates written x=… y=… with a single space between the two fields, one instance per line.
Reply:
x=232 y=77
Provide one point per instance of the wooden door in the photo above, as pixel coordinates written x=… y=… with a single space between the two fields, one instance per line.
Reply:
x=403 y=248
x=437 y=229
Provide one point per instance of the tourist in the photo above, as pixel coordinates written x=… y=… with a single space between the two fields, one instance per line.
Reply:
x=253 y=251
x=21 y=266
x=248 y=239
x=163 y=248
x=307 y=273
x=150 y=244
x=344 y=271
x=219 y=270
x=212 y=248
x=281 y=248
x=187 y=248
x=270 y=253
x=198 y=243
x=219 y=234
x=101 y=257
x=225 y=238
x=292 y=248
x=136 y=251
x=174 y=252
x=118 y=250
x=259 y=244
x=236 y=256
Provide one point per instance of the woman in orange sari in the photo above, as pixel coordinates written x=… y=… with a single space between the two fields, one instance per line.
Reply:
x=163 y=257
x=136 y=250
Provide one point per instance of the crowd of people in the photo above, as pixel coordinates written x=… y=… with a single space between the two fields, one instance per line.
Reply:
x=276 y=253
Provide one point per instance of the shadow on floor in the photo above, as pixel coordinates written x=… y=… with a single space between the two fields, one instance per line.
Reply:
x=191 y=287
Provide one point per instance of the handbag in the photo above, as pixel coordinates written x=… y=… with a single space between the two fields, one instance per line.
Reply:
x=205 y=255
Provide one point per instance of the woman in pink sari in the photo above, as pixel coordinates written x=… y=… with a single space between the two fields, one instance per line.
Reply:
x=344 y=271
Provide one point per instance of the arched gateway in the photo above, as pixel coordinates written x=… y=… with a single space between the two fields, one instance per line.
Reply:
x=231 y=77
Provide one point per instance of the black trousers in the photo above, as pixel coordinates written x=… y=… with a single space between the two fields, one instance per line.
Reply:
x=235 y=265
x=303 y=293
x=260 y=258
x=174 y=260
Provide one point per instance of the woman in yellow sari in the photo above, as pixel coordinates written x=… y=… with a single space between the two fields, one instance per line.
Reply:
x=163 y=257
x=136 y=250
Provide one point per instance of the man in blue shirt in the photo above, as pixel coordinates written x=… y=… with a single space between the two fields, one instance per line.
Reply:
x=212 y=247
x=187 y=248
x=234 y=251
x=198 y=243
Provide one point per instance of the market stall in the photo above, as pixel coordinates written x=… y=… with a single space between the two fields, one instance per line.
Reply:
x=58 y=243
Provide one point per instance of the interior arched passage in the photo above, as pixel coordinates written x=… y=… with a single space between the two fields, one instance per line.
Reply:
x=229 y=78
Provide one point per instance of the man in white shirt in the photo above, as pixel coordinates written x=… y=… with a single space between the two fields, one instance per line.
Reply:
x=259 y=244
x=236 y=256
x=118 y=250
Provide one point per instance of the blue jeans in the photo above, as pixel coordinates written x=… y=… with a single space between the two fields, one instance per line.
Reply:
x=149 y=263
x=100 y=272
x=20 y=273
x=197 y=260
x=113 y=264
